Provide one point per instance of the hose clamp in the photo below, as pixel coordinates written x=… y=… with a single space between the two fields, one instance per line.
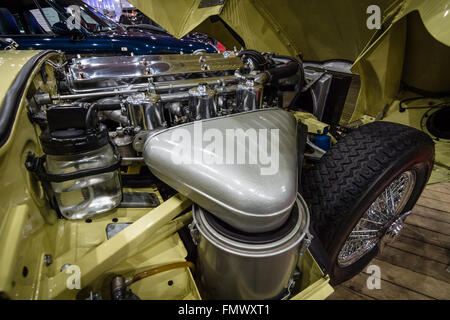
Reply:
x=195 y=234
x=306 y=243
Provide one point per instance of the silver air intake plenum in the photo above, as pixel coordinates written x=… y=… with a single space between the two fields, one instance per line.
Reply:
x=250 y=219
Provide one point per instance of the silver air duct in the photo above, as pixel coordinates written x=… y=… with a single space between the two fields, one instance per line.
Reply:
x=241 y=173
x=242 y=168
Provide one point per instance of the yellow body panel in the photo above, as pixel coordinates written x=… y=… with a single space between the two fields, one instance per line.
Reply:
x=416 y=118
x=405 y=52
x=25 y=217
x=109 y=253
x=319 y=30
x=11 y=62
x=314 y=284
x=412 y=51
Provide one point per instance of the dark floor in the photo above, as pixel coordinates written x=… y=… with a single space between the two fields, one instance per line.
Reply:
x=417 y=265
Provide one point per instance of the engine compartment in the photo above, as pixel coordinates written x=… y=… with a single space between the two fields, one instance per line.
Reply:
x=121 y=103
x=105 y=131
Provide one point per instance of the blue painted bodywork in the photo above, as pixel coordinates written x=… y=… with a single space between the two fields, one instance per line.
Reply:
x=112 y=43
x=115 y=41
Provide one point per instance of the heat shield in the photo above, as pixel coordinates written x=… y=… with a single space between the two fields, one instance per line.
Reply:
x=242 y=168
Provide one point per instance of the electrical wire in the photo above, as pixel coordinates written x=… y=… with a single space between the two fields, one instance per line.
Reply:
x=402 y=105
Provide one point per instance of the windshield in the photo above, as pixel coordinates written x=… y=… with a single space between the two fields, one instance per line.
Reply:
x=106 y=19
x=90 y=19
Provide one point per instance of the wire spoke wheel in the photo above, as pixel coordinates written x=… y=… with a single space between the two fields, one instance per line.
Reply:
x=378 y=219
x=363 y=189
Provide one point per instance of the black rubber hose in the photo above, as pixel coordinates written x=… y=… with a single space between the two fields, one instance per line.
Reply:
x=109 y=107
x=300 y=65
x=91 y=122
x=109 y=104
x=106 y=104
x=259 y=60
x=285 y=71
x=301 y=82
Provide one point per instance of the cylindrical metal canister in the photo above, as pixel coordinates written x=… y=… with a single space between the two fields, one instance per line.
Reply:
x=237 y=265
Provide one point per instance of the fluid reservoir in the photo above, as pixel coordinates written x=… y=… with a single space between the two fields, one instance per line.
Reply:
x=81 y=164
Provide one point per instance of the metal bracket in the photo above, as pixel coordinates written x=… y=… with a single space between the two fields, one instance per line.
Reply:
x=318 y=152
x=10 y=43
x=306 y=243
x=289 y=288
x=309 y=84
x=195 y=234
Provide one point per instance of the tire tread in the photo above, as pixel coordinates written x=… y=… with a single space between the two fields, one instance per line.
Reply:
x=350 y=167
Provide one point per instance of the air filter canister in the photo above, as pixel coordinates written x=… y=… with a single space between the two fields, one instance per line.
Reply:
x=247 y=266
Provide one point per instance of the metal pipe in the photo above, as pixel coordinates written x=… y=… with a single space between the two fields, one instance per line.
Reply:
x=133 y=159
x=165 y=85
x=174 y=96
x=192 y=83
x=101 y=94
x=164 y=97
x=167 y=97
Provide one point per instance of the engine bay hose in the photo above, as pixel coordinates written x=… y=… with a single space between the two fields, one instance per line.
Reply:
x=163 y=268
x=285 y=71
x=300 y=65
x=259 y=60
